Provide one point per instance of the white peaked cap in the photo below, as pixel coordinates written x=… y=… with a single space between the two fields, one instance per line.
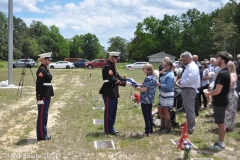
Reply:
x=46 y=55
x=114 y=54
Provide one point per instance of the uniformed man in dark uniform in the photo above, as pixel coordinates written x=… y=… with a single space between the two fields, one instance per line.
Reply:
x=44 y=92
x=109 y=91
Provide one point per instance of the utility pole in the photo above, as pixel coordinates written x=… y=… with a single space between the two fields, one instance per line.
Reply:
x=10 y=42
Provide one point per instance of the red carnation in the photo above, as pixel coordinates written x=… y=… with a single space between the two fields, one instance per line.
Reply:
x=137 y=98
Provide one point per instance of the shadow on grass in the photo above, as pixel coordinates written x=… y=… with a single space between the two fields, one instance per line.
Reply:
x=213 y=130
x=205 y=152
x=175 y=132
x=23 y=142
x=119 y=135
x=238 y=125
x=208 y=121
x=96 y=134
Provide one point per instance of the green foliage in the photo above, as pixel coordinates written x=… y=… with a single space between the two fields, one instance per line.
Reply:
x=3 y=37
x=91 y=46
x=224 y=29
x=30 y=47
x=75 y=47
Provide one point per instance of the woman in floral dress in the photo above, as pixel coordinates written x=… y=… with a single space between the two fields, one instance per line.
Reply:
x=231 y=111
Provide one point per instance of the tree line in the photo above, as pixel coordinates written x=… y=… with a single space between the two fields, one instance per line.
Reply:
x=200 y=33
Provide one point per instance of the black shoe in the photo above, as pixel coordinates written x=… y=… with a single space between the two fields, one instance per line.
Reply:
x=46 y=138
x=116 y=131
x=112 y=133
x=190 y=131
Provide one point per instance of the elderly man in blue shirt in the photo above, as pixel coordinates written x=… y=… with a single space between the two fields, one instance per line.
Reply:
x=189 y=83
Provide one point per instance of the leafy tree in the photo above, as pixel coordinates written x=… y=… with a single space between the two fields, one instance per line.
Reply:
x=223 y=30
x=37 y=29
x=91 y=46
x=170 y=34
x=188 y=34
x=145 y=41
x=63 y=47
x=3 y=37
x=30 y=48
x=196 y=35
x=103 y=53
x=19 y=34
x=75 y=47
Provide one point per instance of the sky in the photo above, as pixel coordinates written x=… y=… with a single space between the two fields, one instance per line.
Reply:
x=104 y=18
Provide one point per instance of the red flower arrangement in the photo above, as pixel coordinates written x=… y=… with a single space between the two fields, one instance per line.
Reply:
x=135 y=98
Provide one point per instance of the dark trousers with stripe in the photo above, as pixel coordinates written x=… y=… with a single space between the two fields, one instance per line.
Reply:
x=109 y=113
x=148 y=119
x=43 y=118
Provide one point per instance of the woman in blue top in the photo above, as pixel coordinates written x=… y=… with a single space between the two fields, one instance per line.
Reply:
x=148 y=89
x=166 y=99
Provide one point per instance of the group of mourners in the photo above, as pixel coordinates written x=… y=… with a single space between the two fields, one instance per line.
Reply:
x=212 y=80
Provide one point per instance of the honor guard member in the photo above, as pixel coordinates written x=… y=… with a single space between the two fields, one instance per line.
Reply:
x=44 y=92
x=109 y=91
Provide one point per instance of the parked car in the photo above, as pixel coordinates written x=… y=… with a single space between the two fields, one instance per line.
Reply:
x=80 y=63
x=97 y=63
x=136 y=65
x=29 y=63
x=61 y=64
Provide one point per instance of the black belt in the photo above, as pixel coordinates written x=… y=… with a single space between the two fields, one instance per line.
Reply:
x=187 y=88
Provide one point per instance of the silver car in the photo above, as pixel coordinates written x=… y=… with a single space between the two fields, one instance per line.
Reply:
x=61 y=64
x=21 y=63
x=136 y=65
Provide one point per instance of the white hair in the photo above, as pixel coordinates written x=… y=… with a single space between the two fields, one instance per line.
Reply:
x=186 y=54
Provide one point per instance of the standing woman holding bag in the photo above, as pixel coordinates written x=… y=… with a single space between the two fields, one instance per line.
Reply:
x=147 y=89
x=166 y=99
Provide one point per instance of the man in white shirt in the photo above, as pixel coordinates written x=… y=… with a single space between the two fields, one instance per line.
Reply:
x=189 y=83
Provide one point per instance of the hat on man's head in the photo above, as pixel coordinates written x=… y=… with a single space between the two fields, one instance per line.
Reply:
x=46 y=55
x=114 y=54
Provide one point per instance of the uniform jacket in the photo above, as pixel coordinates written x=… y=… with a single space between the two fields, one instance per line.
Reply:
x=43 y=76
x=110 y=74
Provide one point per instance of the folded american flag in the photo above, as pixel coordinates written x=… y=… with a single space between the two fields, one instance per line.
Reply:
x=132 y=82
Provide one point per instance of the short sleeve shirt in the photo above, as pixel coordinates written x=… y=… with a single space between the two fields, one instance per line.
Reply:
x=150 y=83
x=223 y=78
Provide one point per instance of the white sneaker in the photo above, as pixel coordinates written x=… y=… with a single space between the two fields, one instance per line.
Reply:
x=216 y=147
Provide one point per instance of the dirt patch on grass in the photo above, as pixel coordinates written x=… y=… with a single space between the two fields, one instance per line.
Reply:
x=20 y=136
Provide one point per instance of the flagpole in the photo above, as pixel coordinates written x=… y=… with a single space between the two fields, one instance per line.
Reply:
x=10 y=42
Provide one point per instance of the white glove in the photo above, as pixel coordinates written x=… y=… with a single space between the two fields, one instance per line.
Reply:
x=40 y=102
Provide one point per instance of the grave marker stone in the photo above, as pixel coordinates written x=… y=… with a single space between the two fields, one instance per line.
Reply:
x=101 y=144
x=98 y=121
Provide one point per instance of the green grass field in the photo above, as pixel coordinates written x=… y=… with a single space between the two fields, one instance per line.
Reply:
x=71 y=126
